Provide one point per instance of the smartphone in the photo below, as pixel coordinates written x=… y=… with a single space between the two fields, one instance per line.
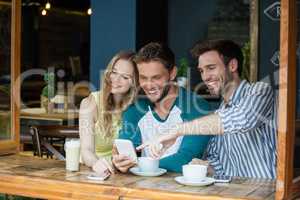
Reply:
x=94 y=176
x=125 y=147
x=222 y=179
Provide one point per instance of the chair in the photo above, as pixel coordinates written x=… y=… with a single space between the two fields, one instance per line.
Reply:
x=37 y=151
x=49 y=139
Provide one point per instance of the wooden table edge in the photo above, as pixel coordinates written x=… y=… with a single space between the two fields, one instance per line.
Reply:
x=57 y=189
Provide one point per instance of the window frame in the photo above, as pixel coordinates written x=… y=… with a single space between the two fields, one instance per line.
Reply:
x=12 y=145
x=287 y=186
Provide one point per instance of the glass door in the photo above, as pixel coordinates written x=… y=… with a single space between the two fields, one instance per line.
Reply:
x=9 y=73
x=5 y=70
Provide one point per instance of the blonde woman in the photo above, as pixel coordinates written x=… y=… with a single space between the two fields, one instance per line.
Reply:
x=100 y=113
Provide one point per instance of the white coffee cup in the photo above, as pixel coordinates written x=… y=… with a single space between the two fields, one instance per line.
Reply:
x=148 y=164
x=194 y=172
x=72 y=149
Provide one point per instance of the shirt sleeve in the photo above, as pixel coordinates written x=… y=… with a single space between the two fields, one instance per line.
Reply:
x=191 y=147
x=253 y=109
x=130 y=129
x=213 y=156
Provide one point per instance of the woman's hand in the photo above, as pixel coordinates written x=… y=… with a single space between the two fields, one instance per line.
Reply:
x=103 y=168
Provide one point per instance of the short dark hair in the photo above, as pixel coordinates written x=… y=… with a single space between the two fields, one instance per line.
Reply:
x=227 y=48
x=154 y=51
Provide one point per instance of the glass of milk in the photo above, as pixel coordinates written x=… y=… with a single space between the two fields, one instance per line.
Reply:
x=72 y=149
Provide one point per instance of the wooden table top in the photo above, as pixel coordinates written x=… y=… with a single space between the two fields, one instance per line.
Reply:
x=47 y=178
x=40 y=113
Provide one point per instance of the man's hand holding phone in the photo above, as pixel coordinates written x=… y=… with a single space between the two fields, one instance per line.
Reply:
x=123 y=155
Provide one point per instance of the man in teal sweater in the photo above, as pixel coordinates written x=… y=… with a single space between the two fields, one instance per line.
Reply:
x=165 y=106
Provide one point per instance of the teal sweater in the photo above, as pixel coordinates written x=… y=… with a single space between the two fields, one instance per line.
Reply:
x=140 y=123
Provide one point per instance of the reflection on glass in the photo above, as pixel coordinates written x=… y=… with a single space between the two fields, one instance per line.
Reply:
x=5 y=111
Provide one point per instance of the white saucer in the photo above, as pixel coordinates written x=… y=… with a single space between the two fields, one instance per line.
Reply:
x=204 y=182
x=136 y=171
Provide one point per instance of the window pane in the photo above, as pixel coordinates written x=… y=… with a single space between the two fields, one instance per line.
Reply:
x=5 y=45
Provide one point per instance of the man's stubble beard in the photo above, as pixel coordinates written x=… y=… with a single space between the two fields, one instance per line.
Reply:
x=164 y=93
x=226 y=83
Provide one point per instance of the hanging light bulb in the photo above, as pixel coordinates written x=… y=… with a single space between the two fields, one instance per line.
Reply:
x=89 y=11
x=48 y=5
x=44 y=12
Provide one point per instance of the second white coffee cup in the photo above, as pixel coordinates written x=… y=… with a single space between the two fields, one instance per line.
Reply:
x=148 y=164
x=194 y=172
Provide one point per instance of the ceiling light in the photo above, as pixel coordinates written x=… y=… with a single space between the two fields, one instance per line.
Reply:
x=44 y=12
x=89 y=11
x=48 y=6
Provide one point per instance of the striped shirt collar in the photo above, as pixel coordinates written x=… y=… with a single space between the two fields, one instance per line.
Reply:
x=235 y=95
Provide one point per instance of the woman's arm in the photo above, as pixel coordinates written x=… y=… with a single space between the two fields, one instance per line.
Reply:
x=87 y=119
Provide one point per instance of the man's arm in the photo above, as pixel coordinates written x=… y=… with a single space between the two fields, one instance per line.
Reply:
x=213 y=157
x=253 y=110
x=191 y=147
x=207 y=125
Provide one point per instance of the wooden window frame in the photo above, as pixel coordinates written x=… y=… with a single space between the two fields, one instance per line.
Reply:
x=12 y=145
x=287 y=187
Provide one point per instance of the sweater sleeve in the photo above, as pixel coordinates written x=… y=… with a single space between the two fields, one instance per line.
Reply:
x=191 y=147
x=130 y=129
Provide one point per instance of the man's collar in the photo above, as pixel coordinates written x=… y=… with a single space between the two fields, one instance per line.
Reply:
x=236 y=94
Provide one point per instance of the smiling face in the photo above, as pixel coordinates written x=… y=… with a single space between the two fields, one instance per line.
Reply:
x=154 y=79
x=121 y=77
x=214 y=73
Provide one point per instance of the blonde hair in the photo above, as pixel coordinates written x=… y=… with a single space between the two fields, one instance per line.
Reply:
x=108 y=105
